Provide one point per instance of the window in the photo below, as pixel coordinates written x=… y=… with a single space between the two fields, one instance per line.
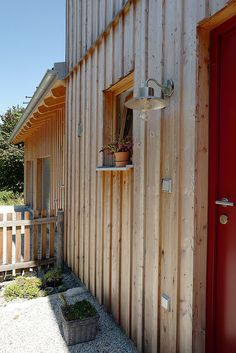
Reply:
x=124 y=116
x=118 y=121
x=30 y=183
x=43 y=183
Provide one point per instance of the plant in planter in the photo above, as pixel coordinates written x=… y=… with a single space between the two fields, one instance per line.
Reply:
x=52 y=278
x=80 y=321
x=121 y=149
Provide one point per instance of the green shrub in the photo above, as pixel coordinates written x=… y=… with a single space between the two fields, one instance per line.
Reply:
x=23 y=287
x=11 y=198
x=52 y=278
x=80 y=310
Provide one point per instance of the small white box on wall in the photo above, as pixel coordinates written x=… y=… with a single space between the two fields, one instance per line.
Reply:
x=165 y=302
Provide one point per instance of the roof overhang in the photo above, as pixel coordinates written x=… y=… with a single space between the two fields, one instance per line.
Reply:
x=48 y=97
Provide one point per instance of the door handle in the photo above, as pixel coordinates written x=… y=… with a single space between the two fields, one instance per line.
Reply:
x=224 y=202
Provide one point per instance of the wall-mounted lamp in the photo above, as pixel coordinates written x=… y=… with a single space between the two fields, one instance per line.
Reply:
x=146 y=100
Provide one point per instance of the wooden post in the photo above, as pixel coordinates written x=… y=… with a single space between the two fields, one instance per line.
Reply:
x=60 y=238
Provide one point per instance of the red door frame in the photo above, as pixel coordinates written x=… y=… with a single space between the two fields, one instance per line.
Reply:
x=213 y=178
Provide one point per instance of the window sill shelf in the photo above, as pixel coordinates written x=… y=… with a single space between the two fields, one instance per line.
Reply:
x=114 y=169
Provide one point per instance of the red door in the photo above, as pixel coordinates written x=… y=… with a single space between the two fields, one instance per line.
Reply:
x=221 y=284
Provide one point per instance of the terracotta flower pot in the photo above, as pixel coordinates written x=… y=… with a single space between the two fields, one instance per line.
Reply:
x=122 y=158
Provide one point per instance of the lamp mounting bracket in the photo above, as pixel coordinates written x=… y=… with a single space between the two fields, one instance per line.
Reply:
x=167 y=87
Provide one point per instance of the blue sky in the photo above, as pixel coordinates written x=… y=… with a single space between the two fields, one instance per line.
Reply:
x=32 y=38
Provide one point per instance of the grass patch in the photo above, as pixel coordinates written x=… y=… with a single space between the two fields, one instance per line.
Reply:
x=10 y=198
x=81 y=310
x=23 y=287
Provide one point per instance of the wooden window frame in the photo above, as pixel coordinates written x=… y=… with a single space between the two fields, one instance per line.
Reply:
x=30 y=174
x=110 y=118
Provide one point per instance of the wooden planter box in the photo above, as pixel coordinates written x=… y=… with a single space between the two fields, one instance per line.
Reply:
x=78 y=331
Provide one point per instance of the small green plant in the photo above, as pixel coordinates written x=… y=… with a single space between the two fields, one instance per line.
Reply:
x=23 y=287
x=119 y=145
x=52 y=278
x=79 y=311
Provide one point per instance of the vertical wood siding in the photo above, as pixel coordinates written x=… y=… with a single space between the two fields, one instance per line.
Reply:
x=48 y=141
x=127 y=240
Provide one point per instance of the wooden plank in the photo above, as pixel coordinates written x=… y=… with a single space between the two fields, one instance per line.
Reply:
x=126 y=251
x=68 y=32
x=28 y=264
x=109 y=11
x=108 y=129
x=153 y=177
x=14 y=242
x=79 y=31
x=9 y=241
x=139 y=129
x=128 y=54
x=90 y=7
x=95 y=21
x=77 y=171
x=187 y=171
x=18 y=238
x=67 y=39
x=82 y=177
x=27 y=239
x=72 y=172
x=99 y=176
x=69 y=176
x=35 y=236
x=169 y=230
x=115 y=245
x=44 y=235
x=118 y=50
x=39 y=184
x=201 y=194
x=93 y=200
x=109 y=60
x=87 y=173
x=65 y=175
x=102 y=16
x=55 y=164
x=84 y=27
x=107 y=189
x=52 y=232
x=75 y=31
x=27 y=222
x=1 y=240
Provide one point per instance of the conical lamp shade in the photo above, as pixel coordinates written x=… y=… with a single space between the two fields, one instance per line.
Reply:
x=146 y=100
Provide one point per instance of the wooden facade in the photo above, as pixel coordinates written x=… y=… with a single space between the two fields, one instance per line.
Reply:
x=47 y=142
x=129 y=241
x=41 y=128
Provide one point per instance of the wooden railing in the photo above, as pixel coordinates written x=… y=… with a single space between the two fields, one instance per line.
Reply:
x=27 y=240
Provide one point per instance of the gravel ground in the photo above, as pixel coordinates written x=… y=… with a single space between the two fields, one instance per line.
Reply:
x=34 y=326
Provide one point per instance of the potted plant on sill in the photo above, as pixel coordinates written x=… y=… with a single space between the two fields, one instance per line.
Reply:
x=79 y=321
x=121 y=149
